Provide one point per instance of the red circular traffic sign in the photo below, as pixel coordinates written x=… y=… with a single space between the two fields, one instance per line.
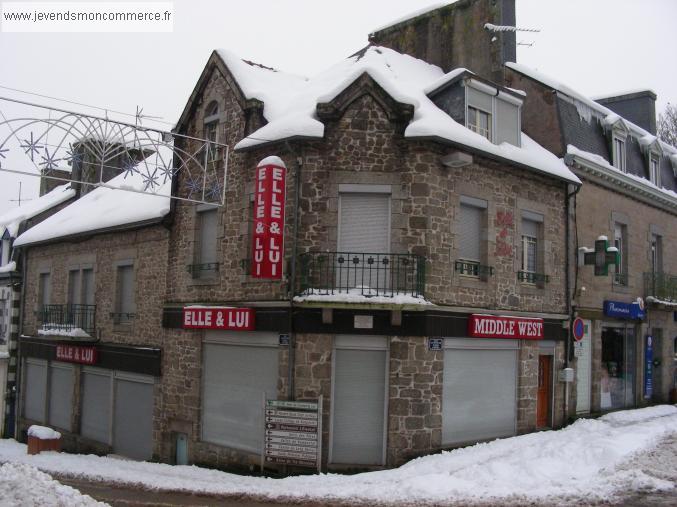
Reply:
x=578 y=329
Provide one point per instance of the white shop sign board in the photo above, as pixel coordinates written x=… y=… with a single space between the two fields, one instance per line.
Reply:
x=292 y=433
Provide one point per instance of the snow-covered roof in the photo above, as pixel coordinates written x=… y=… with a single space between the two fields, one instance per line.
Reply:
x=11 y=220
x=290 y=104
x=605 y=114
x=103 y=208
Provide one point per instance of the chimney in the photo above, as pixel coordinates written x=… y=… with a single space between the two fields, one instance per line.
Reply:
x=638 y=107
x=454 y=36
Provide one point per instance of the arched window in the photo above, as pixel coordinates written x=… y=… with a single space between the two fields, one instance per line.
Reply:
x=211 y=124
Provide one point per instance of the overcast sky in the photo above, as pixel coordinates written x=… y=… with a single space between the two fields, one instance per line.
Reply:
x=598 y=47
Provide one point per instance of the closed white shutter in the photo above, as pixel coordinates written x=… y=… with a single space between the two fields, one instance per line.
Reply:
x=583 y=371
x=208 y=229
x=358 y=405
x=479 y=392
x=479 y=100
x=133 y=418
x=60 y=395
x=87 y=287
x=35 y=390
x=470 y=233
x=235 y=380
x=364 y=224
x=96 y=393
x=507 y=123
x=126 y=302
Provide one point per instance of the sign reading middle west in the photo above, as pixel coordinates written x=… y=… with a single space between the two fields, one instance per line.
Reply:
x=268 y=234
x=493 y=326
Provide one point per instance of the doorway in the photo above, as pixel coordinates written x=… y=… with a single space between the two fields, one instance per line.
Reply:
x=617 y=384
x=544 y=394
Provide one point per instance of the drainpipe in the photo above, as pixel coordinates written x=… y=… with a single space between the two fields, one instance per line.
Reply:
x=17 y=375
x=569 y=296
x=292 y=282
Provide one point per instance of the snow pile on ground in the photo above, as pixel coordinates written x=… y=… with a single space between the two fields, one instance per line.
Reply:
x=43 y=432
x=29 y=209
x=26 y=486
x=583 y=461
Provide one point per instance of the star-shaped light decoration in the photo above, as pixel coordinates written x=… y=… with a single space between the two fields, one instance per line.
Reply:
x=194 y=185
x=214 y=192
x=2 y=152
x=129 y=166
x=49 y=161
x=73 y=155
x=166 y=172
x=31 y=147
x=149 y=180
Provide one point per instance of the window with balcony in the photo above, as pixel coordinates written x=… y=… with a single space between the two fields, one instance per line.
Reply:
x=470 y=238
x=621 y=244
x=125 y=304
x=531 y=255
x=44 y=290
x=656 y=253
x=206 y=263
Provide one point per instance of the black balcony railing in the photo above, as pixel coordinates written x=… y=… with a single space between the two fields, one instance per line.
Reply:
x=662 y=286
x=531 y=277
x=68 y=318
x=205 y=270
x=365 y=274
x=621 y=279
x=473 y=268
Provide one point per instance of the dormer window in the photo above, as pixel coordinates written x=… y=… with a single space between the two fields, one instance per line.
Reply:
x=619 y=153
x=479 y=121
x=654 y=170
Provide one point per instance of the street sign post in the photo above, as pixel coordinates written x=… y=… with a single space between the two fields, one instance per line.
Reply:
x=292 y=433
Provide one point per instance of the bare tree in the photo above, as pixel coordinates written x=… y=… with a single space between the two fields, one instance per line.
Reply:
x=667 y=125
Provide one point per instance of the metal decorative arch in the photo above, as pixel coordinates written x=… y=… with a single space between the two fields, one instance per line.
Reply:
x=90 y=150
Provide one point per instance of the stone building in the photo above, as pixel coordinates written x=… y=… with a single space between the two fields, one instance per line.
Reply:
x=90 y=348
x=629 y=198
x=12 y=224
x=427 y=299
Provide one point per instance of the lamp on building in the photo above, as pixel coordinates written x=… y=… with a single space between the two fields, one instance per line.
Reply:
x=457 y=159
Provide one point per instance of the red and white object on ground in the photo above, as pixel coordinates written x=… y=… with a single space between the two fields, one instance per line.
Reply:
x=42 y=438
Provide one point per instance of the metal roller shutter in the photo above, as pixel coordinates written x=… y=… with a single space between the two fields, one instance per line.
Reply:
x=364 y=223
x=60 y=395
x=133 y=418
x=96 y=396
x=208 y=232
x=479 y=392
x=471 y=231
x=235 y=380
x=358 y=405
x=35 y=389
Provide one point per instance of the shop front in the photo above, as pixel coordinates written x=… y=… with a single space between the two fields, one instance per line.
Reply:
x=99 y=396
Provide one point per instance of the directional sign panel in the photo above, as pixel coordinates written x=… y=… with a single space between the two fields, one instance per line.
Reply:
x=292 y=433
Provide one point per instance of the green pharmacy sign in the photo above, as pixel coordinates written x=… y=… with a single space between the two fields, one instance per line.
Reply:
x=602 y=256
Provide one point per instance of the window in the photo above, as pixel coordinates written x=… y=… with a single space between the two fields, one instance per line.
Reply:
x=81 y=286
x=470 y=244
x=654 y=170
x=211 y=124
x=4 y=252
x=529 y=246
x=479 y=121
x=619 y=153
x=656 y=254
x=44 y=290
x=125 y=306
x=206 y=264
x=5 y=314
x=620 y=242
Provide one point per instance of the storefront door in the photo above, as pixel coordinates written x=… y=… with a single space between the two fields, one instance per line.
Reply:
x=544 y=382
x=618 y=368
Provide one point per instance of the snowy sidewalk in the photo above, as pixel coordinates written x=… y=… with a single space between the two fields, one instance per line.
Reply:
x=591 y=460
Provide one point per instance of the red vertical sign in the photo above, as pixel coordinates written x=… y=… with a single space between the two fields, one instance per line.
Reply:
x=268 y=236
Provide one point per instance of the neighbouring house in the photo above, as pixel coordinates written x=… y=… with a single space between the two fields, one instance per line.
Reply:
x=94 y=281
x=12 y=224
x=627 y=205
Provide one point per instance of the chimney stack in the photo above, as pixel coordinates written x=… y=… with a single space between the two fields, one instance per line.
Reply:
x=638 y=107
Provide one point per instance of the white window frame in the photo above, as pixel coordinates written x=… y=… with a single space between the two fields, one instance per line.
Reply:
x=654 y=169
x=477 y=113
x=620 y=242
x=619 y=152
x=5 y=252
x=527 y=241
